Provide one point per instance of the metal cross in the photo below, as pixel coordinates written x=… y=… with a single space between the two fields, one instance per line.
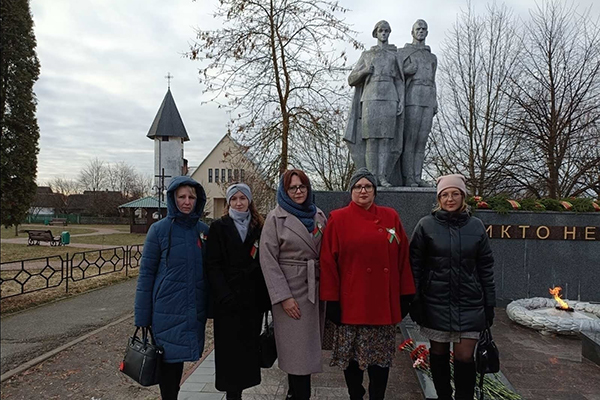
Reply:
x=169 y=77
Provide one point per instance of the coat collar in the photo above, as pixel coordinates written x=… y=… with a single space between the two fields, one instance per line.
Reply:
x=232 y=230
x=294 y=224
x=370 y=214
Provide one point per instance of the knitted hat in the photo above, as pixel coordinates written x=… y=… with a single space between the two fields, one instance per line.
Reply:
x=363 y=173
x=451 y=181
x=238 y=187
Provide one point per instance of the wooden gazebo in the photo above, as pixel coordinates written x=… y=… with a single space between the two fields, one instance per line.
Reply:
x=144 y=212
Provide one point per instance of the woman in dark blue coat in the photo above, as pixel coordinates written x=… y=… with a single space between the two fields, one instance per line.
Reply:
x=172 y=295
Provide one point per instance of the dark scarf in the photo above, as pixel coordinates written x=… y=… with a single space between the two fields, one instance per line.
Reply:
x=305 y=212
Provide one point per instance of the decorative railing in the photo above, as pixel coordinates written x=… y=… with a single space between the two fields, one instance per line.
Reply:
x=35 y=274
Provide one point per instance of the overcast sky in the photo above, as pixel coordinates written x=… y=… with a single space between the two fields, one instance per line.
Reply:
x=103 y=67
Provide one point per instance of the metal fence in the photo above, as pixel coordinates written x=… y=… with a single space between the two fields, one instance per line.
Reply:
x=35 y=274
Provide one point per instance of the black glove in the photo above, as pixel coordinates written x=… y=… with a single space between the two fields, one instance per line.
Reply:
x=489 y=315
x=405 y=301
x=334 y=312
x=417 y=310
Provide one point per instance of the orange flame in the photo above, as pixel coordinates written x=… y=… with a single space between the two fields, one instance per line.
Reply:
x=556 y=293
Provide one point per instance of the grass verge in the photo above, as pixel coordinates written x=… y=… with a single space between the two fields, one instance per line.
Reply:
x=115 y=239
x=9 y=233
x=28 y=300
x=15 y=252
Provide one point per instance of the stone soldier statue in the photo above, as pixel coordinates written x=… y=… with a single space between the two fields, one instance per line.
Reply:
x=419 y=66
x=374 y=134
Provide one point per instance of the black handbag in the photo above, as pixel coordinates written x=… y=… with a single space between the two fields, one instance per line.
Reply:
x=142 y=358
x=267 y=347
x=487 y=357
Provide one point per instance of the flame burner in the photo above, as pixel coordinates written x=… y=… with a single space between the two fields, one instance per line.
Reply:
x=569 y=309
x=542 y=314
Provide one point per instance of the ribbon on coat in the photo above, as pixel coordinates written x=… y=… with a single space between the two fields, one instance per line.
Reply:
x=311 y=274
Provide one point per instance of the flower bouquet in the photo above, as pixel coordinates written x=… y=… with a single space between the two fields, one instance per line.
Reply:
x=492 y=387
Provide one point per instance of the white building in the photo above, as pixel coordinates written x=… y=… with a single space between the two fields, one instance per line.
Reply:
x=226 y=163
x=169 y=134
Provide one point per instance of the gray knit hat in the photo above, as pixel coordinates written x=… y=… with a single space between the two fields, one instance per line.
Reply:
x=238 y=187
x=363 y=173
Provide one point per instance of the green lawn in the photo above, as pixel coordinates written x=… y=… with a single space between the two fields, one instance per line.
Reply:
x=15 y=252
x=115 y=239
x=9 y=233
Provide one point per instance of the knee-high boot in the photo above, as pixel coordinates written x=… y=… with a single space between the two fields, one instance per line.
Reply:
x=354 y=380
x=440 y=371
x=464 y=380
x=378 y=378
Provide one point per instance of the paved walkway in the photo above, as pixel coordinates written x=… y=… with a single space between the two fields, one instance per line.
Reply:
x=328 y=385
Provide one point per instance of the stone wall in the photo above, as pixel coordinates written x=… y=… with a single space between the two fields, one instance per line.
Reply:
x=533 y=251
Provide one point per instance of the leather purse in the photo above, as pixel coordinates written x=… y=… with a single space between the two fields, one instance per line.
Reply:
x=142 y=358
x=487 y=357
x=267 y=346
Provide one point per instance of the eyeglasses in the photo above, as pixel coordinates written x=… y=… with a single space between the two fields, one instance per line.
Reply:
x=359 y=188
x=454 y=195
x=294 y=189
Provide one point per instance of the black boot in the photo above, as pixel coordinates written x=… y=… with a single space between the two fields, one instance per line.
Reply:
x=354 y=379
x=378 y=378
x=464 y=380
x=440 y=372
x=299 y=386
x=234 y=395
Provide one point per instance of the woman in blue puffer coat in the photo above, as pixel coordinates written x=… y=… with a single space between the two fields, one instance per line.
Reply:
x=172 y=295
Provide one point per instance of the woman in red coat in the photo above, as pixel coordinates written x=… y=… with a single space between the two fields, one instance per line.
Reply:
x=364 y=272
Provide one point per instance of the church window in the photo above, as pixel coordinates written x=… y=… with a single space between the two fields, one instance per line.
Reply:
x=210 y=175
x=242 y=175
x=216 y=175
x=236 y=175
x=229 y=177
x=164 y=138
x=223 y=175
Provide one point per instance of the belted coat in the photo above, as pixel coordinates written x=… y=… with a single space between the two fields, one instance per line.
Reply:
x=289 y=258
x=172 y=294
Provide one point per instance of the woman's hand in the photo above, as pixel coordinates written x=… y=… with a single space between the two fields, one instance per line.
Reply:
x=290 y=306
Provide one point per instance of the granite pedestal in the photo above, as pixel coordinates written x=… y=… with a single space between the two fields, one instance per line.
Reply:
x=412 y=204
x=590 y=346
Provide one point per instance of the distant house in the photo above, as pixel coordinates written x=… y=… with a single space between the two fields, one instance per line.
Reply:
x=102 y=203
x=46 y=203
x=229 y=162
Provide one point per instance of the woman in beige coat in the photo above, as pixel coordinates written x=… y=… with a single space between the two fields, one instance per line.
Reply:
x=289 y=257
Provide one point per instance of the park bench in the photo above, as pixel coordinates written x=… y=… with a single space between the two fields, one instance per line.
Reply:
x=58 y=221
x=37 y=236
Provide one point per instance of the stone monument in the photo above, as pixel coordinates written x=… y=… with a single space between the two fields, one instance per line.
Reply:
x=393 y=106
x=419 y=66
x=374 y=134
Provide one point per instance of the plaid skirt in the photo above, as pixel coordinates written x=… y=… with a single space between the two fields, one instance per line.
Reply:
x=366 y=344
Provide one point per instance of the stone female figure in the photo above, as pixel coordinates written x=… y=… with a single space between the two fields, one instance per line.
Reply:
x=378 y=102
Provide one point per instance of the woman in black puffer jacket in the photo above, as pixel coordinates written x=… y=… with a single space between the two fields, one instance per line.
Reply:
x=452 y=266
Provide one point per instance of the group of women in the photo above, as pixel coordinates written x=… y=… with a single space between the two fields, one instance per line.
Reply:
x=357 y=269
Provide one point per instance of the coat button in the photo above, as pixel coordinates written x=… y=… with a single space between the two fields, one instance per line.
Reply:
x=380 y=230
x=369 y=270
x=386 y=270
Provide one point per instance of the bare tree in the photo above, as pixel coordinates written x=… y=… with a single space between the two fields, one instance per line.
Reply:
x=275 y=65
x=324 y=155
x=558 y=99
x=64 y=186
x=94 y=176
x=478 y=71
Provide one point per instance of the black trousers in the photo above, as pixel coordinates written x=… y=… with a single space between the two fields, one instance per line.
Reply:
x=170 y=378
x=378 y=378
x=299 y=386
